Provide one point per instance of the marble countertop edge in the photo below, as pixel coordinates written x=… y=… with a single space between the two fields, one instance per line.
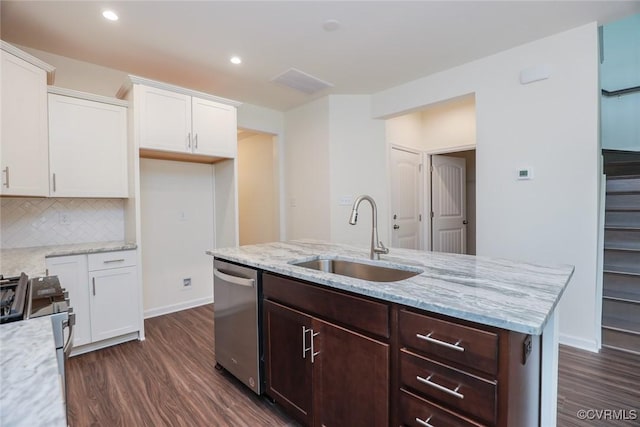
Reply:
x=430 y=290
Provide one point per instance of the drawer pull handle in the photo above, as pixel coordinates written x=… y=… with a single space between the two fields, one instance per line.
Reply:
x=430 y=383
x=428 y=338
x=109 y=261
x=424 y=423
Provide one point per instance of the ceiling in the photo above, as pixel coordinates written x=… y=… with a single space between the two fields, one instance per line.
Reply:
x=379 y=44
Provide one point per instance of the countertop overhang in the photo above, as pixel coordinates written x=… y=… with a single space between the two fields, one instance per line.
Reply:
x=512 y=295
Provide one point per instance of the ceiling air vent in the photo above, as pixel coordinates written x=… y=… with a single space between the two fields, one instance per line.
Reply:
x=303 y=82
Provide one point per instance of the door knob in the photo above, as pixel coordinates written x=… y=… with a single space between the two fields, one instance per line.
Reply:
x=465 y=222
x=396 y=226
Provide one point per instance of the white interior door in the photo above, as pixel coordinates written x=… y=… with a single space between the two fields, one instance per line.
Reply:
x=448 y=196
x=405 y=199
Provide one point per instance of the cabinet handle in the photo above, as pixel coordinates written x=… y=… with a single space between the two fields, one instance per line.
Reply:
x=54 y=182
x=304 y=341
x=195 y=141
x=430 y=383
x=93 y=279
x=428 y=338
x=6 y=174
x=113 y=260
x=189 y=140
x=313 y=352
x=425 y=423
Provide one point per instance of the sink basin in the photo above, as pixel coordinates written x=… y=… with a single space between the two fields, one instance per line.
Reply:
x=373 y=273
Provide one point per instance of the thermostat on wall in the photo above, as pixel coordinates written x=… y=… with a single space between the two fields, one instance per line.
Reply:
x=525 y=173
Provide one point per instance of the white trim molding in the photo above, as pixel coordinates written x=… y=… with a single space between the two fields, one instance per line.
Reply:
x=50 y=69
x=167 y=309
x=126 y=87
x=88 y=96
x=581 y=343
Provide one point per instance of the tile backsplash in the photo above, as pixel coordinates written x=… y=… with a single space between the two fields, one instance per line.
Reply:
x=27 y=222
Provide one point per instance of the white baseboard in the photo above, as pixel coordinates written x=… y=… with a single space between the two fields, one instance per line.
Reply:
x=581 y=343
x=75 y=351
x=159 y=311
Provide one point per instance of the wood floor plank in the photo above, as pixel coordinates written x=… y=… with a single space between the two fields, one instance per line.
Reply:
x=170 y=380
x=167 y=380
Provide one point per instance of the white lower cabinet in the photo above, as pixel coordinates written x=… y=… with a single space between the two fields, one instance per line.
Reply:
x=104 y=293
x=114 y=307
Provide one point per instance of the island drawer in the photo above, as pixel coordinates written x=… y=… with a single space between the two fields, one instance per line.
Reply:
x=456 y=389
x=360 y=313
x=465 y=345
x=414 y=409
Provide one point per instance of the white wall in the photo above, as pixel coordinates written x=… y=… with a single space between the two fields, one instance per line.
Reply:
x=257 y=190
x=177 y=229
x=307 y=171
x=550 y=125
x=405 y=130
x=358 y=165
x=449 y=125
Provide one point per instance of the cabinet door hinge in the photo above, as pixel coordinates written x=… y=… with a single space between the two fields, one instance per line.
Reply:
x=432 y=214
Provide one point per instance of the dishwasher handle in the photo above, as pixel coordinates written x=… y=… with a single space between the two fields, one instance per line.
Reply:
x=241 y=281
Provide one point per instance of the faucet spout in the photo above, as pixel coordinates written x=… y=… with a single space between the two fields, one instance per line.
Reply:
x=377 y=247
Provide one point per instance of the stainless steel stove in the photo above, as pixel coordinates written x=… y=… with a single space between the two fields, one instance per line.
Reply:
x=13 y=298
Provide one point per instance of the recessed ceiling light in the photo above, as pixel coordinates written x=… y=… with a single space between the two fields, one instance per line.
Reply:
x=110 y=15
x=236 y=60
x=331 y=25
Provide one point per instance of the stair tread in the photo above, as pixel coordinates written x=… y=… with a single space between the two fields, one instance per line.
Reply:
x=622 y=227
x=622 y=297
x=613 y=270
x=621 y=325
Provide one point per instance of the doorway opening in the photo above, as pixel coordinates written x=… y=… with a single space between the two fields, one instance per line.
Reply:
x=258 y=188
x=453 y=202
x=443 y=137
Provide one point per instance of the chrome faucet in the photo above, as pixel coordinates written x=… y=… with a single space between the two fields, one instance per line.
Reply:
x=377 y=247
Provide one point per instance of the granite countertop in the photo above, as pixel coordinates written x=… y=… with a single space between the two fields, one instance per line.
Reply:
x=31 y=392
x=32 y=260
x=512 y=295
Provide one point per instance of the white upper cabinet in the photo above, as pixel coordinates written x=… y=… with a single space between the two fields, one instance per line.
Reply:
x=87 y=146
x=214 y=128
x=24 y=155
x=170 y=119
x=165 y=120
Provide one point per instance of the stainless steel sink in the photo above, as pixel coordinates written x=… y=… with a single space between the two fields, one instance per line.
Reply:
x=374 y=273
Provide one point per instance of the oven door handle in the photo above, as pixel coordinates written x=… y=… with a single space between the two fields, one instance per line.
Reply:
x=69 y=344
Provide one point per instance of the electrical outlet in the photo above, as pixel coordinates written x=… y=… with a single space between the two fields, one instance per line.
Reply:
x=345 y=201
x=63 y=218
x=186 y=283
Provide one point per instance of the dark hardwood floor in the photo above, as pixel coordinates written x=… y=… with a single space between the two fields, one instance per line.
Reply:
x=609 y=380
x=167 y=380
x=170 y=380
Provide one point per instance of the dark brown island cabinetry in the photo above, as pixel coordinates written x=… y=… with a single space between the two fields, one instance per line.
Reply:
x=334 y=358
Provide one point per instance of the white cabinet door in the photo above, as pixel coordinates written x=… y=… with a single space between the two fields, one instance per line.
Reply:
x=114 y=302
x=214 y=128
x=24 y=155
x=165 y=119
x=72 y=273
x=87 y=148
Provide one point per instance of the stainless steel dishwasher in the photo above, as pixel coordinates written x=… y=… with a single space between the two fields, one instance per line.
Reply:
x=236 y=322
